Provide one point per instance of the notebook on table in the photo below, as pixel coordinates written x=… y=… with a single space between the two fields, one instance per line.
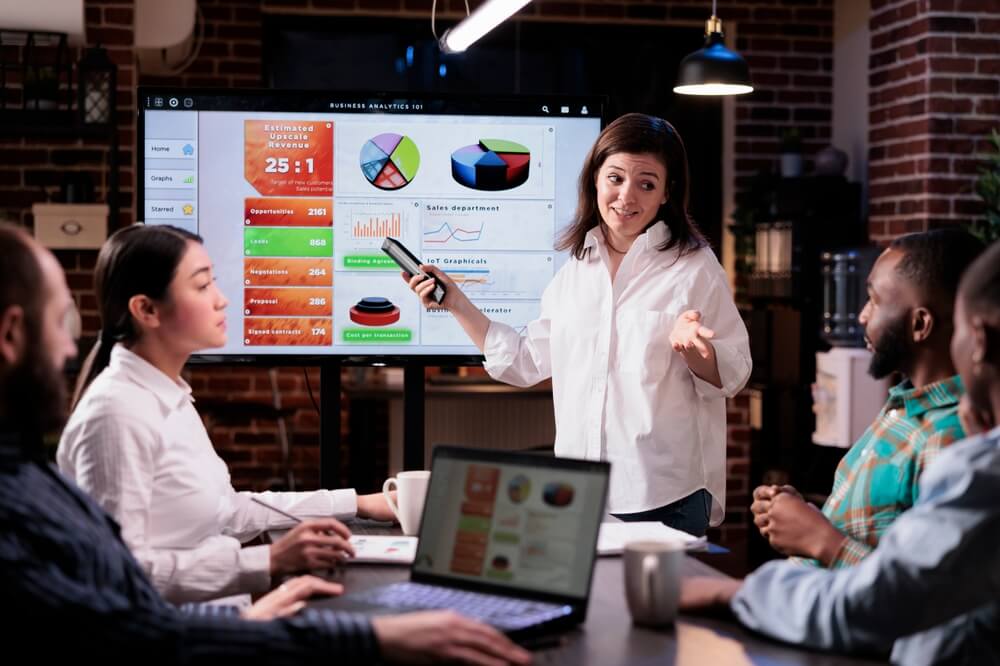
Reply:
x=506 y=538
x=375 y=549
x=614 y=536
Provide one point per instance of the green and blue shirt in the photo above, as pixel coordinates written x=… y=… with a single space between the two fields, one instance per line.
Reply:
x=879 y=477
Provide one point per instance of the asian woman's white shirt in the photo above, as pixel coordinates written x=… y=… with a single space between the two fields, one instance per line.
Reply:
x=137 y=445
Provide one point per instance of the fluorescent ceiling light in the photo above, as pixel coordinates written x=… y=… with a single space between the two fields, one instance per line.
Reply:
x=488 y=16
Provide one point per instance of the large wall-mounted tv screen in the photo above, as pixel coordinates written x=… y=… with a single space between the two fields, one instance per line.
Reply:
x=294 y=192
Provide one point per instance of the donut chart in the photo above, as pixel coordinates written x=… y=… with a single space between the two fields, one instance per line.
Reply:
x=558 y=494
x=491 y=165
x=374 y=311
x=390 y=161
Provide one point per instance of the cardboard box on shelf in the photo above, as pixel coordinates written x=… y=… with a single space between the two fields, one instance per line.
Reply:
x=70 y=226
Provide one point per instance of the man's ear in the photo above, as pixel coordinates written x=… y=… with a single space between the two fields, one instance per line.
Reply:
x=145 y=311
x=13 y=337
x=922 y=323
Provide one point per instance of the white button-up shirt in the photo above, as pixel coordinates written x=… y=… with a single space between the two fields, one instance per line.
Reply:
x=136 y=444
x=620 y=391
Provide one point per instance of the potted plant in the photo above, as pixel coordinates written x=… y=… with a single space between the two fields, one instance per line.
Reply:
x=988 y=189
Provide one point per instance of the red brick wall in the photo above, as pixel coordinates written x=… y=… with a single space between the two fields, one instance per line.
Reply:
x=248 y=438
x=788 y=44
x=935 y=95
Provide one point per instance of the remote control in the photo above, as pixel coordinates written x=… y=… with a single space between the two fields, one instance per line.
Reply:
x=410 y=264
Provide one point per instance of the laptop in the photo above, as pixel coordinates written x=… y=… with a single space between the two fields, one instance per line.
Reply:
x=505 y=538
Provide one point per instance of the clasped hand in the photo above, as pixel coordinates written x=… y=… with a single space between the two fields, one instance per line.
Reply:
x=793 y=526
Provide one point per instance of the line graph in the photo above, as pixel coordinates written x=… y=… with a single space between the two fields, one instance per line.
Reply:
x=489 y=226
x=471 y=276
x=496 y=276
x=446 y=232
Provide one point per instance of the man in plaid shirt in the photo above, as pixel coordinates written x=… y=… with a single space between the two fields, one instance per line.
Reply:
x=908 y=328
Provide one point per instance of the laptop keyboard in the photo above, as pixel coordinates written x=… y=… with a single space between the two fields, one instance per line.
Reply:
x=501 y=612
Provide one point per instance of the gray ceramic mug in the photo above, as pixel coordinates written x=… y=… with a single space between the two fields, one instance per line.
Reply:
x=652 y=581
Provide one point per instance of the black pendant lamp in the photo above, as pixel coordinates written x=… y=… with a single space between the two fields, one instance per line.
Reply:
x=713 y=69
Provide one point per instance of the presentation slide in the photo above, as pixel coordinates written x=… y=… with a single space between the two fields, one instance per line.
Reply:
x=293 y=207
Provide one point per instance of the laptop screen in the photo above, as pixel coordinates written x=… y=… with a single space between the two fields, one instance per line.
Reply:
x=512 y=520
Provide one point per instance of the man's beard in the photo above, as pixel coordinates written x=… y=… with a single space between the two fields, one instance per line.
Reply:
x=35 y=394
x=892 y=352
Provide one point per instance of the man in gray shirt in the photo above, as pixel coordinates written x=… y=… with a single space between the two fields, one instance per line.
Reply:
x=930 y=592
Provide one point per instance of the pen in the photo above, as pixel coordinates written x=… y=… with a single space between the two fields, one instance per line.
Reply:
x=276 y=509
x=337 y=569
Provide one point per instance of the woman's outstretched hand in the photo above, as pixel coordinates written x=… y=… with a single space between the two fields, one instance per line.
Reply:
x=692 y=340
x=690 y=335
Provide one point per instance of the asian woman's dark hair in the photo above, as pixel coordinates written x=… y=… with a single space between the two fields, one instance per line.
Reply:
x=638 y=133
x=137 y=260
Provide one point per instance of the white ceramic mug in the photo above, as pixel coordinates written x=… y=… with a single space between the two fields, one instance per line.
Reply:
x=652 y=581
x=411 y=488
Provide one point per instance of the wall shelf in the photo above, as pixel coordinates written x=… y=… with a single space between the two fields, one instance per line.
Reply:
x=45 y=93
x=785 y=321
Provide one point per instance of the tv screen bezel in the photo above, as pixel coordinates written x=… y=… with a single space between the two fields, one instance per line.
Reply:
x=470 y=103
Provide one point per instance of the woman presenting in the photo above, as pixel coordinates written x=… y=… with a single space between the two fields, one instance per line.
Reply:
x=638 y=332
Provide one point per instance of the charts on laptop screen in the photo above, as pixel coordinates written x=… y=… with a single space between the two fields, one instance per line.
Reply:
x=293 y=194
x=527 y=527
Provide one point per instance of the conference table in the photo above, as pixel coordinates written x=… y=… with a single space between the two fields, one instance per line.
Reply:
x=608 y=637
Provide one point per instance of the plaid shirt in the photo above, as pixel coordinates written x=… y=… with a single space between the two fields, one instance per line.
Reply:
x=878 y=478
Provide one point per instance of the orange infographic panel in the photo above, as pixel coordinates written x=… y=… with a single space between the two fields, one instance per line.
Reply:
x=266 y=272
x=484 y=509
x=287 y=212
x=481 y=483
x=475 y=520
x=289 y=158
x=287 y=331
x=304 y=301
x=469 y=553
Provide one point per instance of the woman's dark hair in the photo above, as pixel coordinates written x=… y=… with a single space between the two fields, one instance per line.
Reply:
x=136 y=260
x=638 y=133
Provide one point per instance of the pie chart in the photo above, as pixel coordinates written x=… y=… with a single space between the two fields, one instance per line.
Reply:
x=390 y=161
x=519 y=488
x=491 y=164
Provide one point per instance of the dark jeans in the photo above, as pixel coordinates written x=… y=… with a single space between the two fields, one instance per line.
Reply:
x=689 y=514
